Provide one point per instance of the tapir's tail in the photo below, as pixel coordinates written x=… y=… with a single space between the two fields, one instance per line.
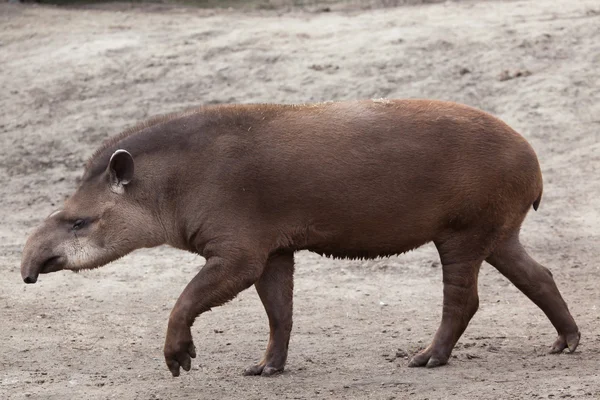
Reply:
x=536 y=203
x=539 y=185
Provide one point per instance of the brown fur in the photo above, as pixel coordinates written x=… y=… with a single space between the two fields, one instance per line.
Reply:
x=246 y=186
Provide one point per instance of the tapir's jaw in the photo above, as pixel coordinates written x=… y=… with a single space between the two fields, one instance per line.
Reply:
x=53 y=264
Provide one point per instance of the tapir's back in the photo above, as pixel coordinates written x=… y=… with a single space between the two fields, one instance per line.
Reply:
x=385 y=171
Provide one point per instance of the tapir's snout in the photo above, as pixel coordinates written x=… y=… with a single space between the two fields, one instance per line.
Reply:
x=39 y=258
x=31 y=270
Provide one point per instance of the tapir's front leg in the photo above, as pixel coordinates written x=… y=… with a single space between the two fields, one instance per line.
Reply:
x=276 y=290
x=219 y=281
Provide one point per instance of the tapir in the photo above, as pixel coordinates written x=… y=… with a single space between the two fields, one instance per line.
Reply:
x=246 y=186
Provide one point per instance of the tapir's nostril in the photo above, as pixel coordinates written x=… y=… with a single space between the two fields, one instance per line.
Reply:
x=30 y=279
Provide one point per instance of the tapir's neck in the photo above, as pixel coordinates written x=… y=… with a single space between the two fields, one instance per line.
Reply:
x=177 y=162
x=171 y=189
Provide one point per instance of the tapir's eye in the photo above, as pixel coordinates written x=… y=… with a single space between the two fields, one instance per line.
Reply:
x=80 y=223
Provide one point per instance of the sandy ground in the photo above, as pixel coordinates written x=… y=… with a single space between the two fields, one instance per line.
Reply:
x=70 y=78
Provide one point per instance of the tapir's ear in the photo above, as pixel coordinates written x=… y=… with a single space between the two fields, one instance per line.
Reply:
x=120 y=169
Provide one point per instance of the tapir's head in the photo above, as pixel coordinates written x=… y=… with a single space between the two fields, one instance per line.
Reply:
x=102 y=221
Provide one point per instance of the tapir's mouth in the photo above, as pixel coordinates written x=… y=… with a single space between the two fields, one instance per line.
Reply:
x=52 y=264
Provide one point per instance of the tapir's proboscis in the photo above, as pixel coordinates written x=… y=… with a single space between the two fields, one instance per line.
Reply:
x=246 y=186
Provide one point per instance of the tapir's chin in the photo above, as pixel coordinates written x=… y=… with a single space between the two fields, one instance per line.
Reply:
x=52 y=264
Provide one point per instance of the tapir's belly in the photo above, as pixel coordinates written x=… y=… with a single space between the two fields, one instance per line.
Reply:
x=369 y=235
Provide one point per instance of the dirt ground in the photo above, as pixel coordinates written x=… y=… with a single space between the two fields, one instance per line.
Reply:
x=69 y=78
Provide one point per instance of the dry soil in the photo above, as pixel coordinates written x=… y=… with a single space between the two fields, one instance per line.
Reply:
x=69 y=78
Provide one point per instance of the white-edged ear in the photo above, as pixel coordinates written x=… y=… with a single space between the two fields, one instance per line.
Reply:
x=56 y=212
x=120 y=170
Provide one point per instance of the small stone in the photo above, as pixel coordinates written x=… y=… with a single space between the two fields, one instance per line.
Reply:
x=401 y=353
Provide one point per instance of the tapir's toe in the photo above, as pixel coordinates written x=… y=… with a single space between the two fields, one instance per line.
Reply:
x=419 y=360
x=254 y=370
x=262 y=370
x=428 y=358
x=563 y=341
x=270 y=371
x=435 y=362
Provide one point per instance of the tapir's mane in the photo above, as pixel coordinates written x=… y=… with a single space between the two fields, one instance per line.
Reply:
x=224 y=114
x=133 y=130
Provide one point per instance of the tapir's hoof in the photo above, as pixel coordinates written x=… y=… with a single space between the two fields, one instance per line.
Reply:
x=262 y=370
x=570 y=341
x=426 y=359
x=271 y=371
x=254 y=370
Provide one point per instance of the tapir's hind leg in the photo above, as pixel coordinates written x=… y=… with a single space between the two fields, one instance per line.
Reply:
x=275 y=289
x=461 y=258
x=460 y=304
x=536 y=282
